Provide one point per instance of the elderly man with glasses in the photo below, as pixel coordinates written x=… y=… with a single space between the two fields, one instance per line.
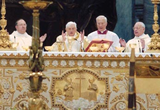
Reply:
x=140 y=41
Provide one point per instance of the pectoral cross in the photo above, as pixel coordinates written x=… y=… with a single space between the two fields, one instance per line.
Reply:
x=80 y=80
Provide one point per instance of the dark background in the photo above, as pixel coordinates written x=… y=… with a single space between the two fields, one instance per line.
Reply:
x=54 y=18
x=121 y=14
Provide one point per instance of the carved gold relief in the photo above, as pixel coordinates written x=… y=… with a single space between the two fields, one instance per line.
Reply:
x=19 y=87
x=79 y=86
x=119 y=81
x=59 y=73
x=153 y=101
x=5 y=44
x=120 y=100
x=154 y=45
x=1 y=90
x=150 y=69
x=10 y=72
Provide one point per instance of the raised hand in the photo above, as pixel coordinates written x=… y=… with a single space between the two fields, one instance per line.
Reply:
x=43 y=37
x=82 y=35
x=63 y=36
x=122 y=42
x=142 y=43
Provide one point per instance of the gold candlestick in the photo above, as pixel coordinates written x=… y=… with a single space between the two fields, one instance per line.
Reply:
x=154 y=45
x=36 y=61
x=5 y=43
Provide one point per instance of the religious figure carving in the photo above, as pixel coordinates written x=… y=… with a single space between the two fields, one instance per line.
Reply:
x=92 y=90
x=59 y=96
x=68 y=88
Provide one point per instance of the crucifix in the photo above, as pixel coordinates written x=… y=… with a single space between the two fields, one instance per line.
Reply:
x=80 y=80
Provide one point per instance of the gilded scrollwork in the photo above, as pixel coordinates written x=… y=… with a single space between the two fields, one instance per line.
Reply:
x=153 y=101
x=119 y=81
x=120 y=100
x=19 y=87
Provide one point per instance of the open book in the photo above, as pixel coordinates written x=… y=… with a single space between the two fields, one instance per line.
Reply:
x=99 y=45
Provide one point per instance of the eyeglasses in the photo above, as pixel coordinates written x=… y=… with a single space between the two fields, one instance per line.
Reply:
x=137 y=28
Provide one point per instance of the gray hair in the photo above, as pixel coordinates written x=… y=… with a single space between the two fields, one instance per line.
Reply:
x=101 y=17
x=70 y=23
x=142 y=24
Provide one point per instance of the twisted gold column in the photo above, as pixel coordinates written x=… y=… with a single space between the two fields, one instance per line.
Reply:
x=36 y=61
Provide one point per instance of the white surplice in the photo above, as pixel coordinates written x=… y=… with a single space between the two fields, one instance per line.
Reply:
x=23 y=40
x=137 y=43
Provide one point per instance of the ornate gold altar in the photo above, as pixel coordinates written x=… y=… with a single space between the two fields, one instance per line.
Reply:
x=75 y=81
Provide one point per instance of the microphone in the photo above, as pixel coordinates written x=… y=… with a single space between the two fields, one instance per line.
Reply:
x=14 y=39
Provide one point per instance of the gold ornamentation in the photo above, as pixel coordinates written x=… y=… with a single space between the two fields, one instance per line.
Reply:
x=79 y=84
x=54 y=72
x=22 y=76
x=147 y=69
x=10 y=72
x=12 y=90
x=122 y=82
x=121 y=96
x=1 y=90
x=107 y=73
x=19 y=87
x=115 y=87
x=154 y=45
x=44 y=87
x=36 y=61
x=62 y=72
x=120 y=105
x=49 y=48
x=120 y=49
x=5 y=44
x=139 y=99
x=153 y=101
x=119 y=78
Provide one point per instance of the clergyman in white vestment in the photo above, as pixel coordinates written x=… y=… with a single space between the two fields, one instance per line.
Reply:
x=70 y=41
x=21 y=37
x=140 y=41
x=103 y=33
x=23 y=40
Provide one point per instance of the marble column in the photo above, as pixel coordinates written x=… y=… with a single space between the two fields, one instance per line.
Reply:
x=125 y=19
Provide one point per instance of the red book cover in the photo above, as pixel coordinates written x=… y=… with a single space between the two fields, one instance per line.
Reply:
x=99 y=45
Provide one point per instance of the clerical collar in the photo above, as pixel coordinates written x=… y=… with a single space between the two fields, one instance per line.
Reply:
x=139 y=36
x=102 y=32
x=17 y=34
